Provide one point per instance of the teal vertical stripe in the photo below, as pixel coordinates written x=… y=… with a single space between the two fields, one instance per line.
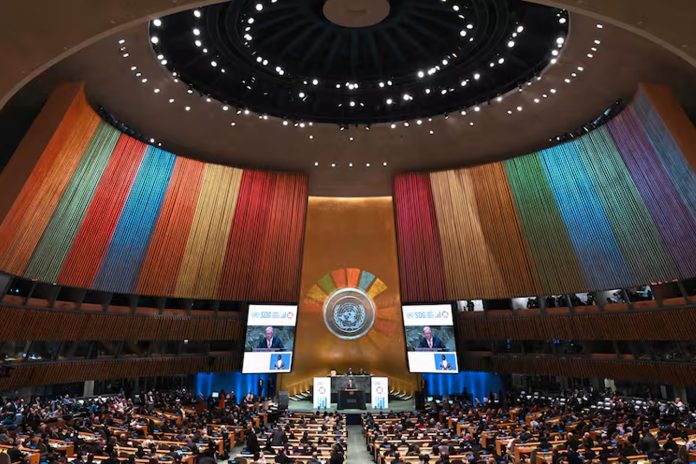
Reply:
x=366 y=279
x=550 y=246
x=639 y=240
x=48 y=257
x=589 y=229
x=121 y=266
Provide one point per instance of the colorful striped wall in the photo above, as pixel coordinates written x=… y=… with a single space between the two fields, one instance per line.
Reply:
x=613 y=208
x=103 y=210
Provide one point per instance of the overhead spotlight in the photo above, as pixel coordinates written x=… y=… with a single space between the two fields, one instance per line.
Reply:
x=213 y=64
x=315 y=81
x=302 y=125
x=121 y=42
x=581 y=69
x=509 y=111
x=316 y=163
x=311 y=137
x=233 y=124
x=553 y=90
x=597 y=42
x=501 y=60
x=259 y=7
x=562 y=20
x=432 y=132
x=462 y=33
x=511 y=43
x=154 y=39
x=520 y=29
x=350 y=165
x=152 y=140
x=285 y=122
x=384 y=164
x=419 y=122
x=246 y=111
x=536 y=100
x=590 y=55
x=171 y=100
x=301 y=94
x=225 y=107
x=156 y=90
x=351 y=139
x=351 y=103
x=477 y=76
x=157 y=22
x=519 y=108
x=333 y=165
x=600 y=26
x=462 y=112
x=187 y=108
x=189 y=91
x=560 y=40
x=196 y=31
x=499 y=99
x=381 y=85
x=566 y=80
x=367 y=165
x=133 y=68
x=469 y=26
x=393 y=126
x=421 y=74
x=197 y=13
x=477 y=108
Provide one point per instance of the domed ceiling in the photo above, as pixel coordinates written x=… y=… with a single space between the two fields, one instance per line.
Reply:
x=530 y=73
x=396 y=60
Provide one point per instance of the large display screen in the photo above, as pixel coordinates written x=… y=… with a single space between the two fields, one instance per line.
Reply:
x=270 y=339
x=430 y=339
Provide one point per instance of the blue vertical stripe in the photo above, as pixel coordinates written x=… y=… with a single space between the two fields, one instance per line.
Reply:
x=590 y=232
x=121 y=265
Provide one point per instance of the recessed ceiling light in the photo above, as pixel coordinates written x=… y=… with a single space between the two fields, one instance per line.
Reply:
x=196 y=31
x=316 y=163
x=384 y=164
x=259 y=7
x=511 y=44
x=171 y=100
x=156 y=90
x=157 y=22
x=197 y=13
x=367 y=165
x=188 y=108
x=121 y=42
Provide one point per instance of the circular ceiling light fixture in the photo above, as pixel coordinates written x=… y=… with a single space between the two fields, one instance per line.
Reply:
x=379 y=52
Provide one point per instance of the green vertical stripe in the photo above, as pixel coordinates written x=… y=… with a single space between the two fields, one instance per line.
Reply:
x=48 y=257
x=553 y=253
x=641 y=244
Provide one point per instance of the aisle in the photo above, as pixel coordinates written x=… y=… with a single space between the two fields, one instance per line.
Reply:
x=357 y=453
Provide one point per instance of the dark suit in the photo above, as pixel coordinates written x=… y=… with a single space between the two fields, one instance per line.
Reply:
x=276 y=343
x=252 y=442
x=437 y=343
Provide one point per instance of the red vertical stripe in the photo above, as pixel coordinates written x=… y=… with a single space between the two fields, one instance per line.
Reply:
x=422 y=270
x=92 y=240
x=262 y=261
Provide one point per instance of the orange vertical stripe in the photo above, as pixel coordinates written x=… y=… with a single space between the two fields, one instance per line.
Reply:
x=166 y=251
x=24 y=224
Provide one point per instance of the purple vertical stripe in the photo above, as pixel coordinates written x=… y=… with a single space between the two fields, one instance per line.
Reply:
x=672 y=218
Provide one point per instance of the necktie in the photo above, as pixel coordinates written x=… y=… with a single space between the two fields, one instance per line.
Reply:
x=430 y=343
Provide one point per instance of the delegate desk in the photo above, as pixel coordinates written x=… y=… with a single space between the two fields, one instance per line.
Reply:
x=351 y=398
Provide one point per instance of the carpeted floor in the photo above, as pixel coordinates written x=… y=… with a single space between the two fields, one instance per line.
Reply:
x=357 y=453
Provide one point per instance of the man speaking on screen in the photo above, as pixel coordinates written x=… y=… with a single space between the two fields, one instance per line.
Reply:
x=429 y=341
x=270 y=341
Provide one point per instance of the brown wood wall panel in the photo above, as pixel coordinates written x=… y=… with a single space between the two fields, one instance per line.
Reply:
x=52 y=325
x=78 y=371
x=660 y=324
x=667 y=373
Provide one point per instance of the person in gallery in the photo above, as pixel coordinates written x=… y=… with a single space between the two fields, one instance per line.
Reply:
x=270 y=341
x=429 y=341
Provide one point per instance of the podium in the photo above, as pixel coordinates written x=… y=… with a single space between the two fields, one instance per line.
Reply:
x=351 y=398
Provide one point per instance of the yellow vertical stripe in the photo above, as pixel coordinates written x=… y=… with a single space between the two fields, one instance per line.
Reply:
x=199 y=275
x=465 y=250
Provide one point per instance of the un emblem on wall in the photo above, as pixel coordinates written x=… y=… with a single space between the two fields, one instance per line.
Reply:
x=349 y=313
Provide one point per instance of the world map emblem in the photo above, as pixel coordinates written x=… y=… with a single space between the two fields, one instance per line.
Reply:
x=347 y=297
